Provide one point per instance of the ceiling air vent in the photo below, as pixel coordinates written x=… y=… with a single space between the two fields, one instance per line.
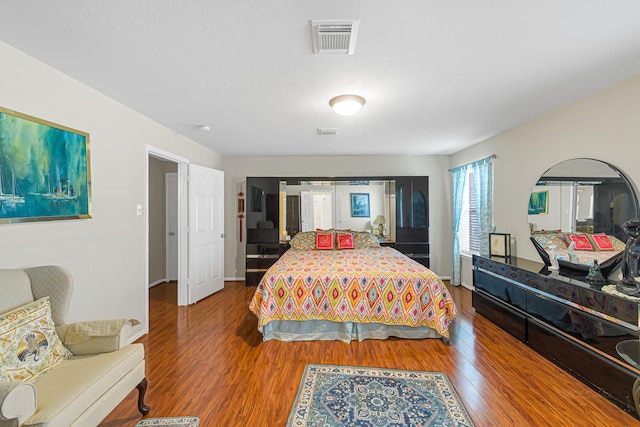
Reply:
x=334 y=36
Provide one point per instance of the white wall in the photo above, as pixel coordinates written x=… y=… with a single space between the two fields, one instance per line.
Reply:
x=436 y=167
x=602 y=126
x=105 y=254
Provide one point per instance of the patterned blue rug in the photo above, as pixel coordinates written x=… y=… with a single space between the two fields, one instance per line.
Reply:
x=353 y=396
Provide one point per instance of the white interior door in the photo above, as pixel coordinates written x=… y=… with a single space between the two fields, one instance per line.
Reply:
x=171 y=206
x=322 y=210
x=306 y=211
x=206 y=233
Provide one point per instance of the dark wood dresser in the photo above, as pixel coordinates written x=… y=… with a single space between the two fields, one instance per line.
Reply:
x=569 y=321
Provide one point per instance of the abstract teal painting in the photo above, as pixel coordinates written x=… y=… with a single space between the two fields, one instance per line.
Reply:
x=44 y=170
x=539 y=203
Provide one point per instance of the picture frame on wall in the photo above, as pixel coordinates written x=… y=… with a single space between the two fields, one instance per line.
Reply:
x=44 y=170
x=539 y=203
x=360 y=205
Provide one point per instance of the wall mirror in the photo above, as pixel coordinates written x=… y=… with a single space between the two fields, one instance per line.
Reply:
x=582 y=195
x=354 y=204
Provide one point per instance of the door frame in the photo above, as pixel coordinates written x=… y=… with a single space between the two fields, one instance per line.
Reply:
x=182 y=221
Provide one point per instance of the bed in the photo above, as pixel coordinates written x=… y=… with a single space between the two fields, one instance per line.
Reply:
x=363 y=291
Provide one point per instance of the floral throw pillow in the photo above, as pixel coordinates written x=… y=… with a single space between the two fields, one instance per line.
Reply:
x=324 y=240
x=365 y=240
x=550 y=239
x=29 y=344
x=582 y=242
x=303 y=241
x=344 y=240
x=602 y=242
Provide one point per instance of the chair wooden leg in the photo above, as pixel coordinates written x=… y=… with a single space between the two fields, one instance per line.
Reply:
x=142 y=389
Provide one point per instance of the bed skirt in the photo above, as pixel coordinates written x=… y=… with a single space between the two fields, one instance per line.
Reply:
x=309 y=330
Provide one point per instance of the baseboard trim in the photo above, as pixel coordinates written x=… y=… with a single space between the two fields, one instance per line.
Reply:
x=137 y=335
x=157 y=282
x=467 y=286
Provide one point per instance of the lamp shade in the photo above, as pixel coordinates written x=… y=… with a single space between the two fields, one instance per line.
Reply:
x=379 y=220
x=346 y=105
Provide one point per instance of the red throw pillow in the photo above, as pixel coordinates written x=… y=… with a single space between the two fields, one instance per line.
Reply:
x=324 y=241
x=344 y=240
x=602 y=242
x=582 y=242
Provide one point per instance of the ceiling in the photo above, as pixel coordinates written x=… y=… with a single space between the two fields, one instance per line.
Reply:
x=438 y=76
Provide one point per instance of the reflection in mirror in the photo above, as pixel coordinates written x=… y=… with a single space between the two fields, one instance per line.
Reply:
x=582 y=195
x=576 y=212
x=358 y=205
x=417 y=217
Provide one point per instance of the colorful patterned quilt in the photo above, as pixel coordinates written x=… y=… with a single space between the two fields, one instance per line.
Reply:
x=371 y=285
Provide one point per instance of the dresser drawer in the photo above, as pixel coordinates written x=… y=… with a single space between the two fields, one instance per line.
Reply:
x=260 y=262
x=598 y=372
x=252 y=278
x=501 y=289
x=508 y=319
x=411 y=248
x=264 y=249
x=418 y=252
x=420 y=258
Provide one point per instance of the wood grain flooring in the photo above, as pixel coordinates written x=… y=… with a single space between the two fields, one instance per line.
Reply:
x=208 y=360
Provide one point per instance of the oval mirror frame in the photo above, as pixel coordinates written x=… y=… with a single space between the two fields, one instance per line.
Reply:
x=582 y=196
x=580 y=193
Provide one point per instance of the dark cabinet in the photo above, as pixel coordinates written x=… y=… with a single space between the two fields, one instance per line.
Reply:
x=261 y=256
x=262 y=216
x=262 y=204
x=412 y=217
x=417 y=251
x=572 y=323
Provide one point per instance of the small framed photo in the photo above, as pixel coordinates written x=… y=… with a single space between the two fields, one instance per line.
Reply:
x=360 y=205
x=500 y=245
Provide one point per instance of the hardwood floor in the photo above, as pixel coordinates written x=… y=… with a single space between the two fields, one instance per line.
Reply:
x=208 y=360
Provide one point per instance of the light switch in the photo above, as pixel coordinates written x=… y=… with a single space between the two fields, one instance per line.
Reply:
x=139 y=210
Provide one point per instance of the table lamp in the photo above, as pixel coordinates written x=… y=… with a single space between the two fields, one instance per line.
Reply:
x=380 y=221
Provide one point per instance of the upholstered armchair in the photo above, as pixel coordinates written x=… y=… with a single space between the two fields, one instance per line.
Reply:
x=57 y=374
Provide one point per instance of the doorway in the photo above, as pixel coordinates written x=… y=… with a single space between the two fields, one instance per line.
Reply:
x=199 y=219
x=159 y=163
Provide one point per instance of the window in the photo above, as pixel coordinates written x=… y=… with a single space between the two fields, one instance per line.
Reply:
x=472 y=211
x=469 y=233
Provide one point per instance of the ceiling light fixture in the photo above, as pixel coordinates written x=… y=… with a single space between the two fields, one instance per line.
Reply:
x=203 y=128
x=346 y=105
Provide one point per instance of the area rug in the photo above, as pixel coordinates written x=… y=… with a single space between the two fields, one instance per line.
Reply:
x=330 y=395
x=169 y=421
